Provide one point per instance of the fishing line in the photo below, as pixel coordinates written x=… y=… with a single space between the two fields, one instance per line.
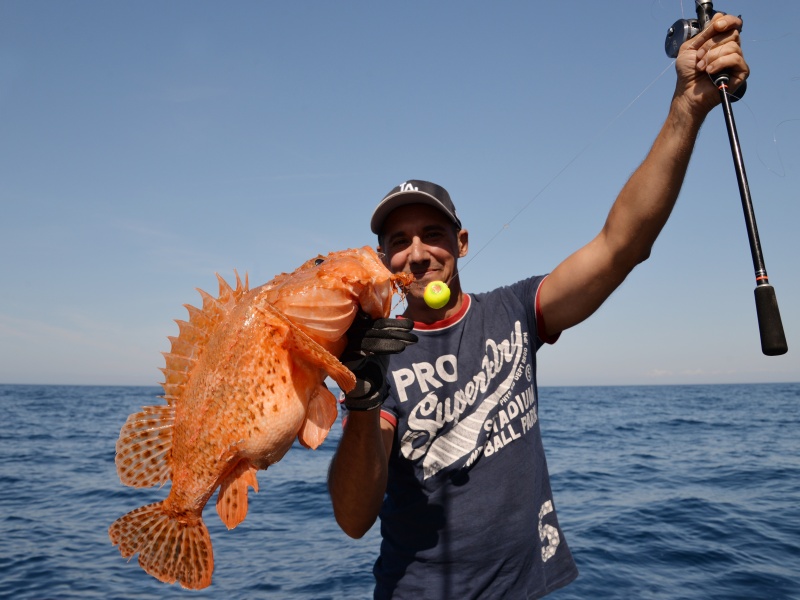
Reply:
x=777 y=149
x=760 y=129
x=602 y=131
x=782 y=172
x=580 y=153
x=569 y=163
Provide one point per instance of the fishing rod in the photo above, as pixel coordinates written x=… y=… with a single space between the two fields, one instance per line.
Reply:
x=773 y=340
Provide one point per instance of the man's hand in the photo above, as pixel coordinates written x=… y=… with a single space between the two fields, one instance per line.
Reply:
x=715 y=49
x=369 y=344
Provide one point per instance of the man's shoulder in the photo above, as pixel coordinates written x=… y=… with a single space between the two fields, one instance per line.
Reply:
x=524 y=289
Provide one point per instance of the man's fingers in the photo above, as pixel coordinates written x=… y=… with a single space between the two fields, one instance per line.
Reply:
x=720 y=25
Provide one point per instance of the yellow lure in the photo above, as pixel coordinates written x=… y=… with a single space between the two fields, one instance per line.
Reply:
x=436 y=294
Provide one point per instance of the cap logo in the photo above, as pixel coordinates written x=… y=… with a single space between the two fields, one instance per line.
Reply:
x=407 y=187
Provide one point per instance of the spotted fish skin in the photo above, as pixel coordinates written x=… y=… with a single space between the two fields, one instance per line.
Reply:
x=243 y=380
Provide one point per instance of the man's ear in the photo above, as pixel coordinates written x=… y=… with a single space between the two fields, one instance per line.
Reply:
x=463 y=243
x=384 y=258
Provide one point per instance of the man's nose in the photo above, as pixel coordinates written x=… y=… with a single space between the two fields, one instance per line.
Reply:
x=417 y=252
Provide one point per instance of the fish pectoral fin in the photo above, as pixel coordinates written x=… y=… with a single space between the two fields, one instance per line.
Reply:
x=315 y=354
x=171 y=548
x=320 y=417
x=343 y=376
x=232 y=497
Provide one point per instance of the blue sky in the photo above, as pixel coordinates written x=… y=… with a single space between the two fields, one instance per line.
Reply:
x=146 y=145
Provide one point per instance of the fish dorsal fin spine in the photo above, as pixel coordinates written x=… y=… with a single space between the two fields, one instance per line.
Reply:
x=174 y=377
x=227 y=293
x=198 y=320
x=225 y=290
x=211 y=306
x=187 y=347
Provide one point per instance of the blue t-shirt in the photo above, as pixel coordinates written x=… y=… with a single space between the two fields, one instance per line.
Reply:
x=468 y=511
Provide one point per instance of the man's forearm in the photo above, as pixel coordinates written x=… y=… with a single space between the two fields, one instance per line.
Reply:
x=581 y=283
x=644 y=204
x=358 y=473
x=647 y=199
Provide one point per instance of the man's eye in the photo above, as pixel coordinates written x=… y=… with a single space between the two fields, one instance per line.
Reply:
x=399 y=243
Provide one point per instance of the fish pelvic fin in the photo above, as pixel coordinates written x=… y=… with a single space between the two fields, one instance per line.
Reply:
x=320 y=417
x=144 y=447
x=187 y=348
x=171 y=548
x=232 y=497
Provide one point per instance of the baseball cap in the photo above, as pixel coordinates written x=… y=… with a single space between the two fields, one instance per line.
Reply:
x=414 y=191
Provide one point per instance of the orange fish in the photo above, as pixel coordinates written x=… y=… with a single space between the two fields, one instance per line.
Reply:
x=244 y=378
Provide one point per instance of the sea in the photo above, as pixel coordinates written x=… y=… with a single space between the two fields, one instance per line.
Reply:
x=664 y=492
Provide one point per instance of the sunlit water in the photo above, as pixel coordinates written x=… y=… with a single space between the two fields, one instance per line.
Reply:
x=664 y=492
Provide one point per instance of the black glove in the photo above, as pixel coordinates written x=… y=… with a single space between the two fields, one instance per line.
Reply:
x=369 y=344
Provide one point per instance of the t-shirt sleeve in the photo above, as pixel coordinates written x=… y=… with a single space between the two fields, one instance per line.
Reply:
x=527 y=292
x=389 y=415
x=541 y=329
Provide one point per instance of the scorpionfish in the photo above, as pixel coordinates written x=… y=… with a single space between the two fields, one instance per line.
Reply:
x=243 y=379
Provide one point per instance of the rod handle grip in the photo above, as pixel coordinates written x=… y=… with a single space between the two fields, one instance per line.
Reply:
x=773 y=340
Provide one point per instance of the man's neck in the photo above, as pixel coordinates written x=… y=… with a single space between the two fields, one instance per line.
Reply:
x=420 y=312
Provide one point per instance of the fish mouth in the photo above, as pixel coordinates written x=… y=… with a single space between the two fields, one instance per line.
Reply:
x=324 y=298
x=416 y=281
x=376 y=299
x=375 y=296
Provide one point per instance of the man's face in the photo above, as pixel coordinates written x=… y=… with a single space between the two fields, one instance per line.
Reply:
x=421 y=240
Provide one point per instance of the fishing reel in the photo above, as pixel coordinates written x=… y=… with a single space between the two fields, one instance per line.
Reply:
x=685 y=29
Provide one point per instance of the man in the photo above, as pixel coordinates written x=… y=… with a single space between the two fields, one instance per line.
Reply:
x=453 y=460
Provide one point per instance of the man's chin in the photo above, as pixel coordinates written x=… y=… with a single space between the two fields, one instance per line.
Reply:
x=416 y=290
x=417 y=287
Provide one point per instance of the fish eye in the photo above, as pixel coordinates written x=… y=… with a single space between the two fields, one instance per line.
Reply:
x=318 y=262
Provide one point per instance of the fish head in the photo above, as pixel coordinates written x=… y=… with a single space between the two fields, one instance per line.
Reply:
x=324 y=294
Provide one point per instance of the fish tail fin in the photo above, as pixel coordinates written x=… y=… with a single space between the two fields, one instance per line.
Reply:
x=171 y=549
